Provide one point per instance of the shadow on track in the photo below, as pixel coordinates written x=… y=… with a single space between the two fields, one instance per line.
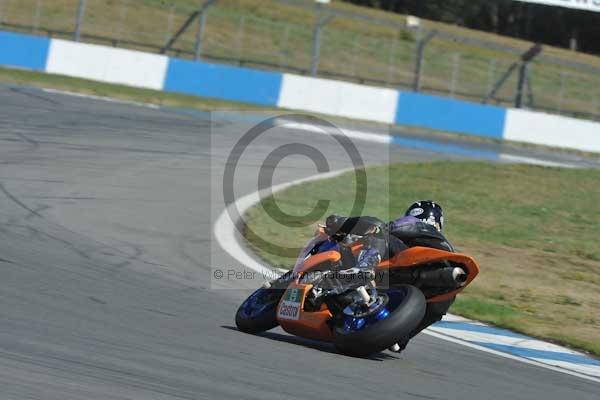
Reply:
x=313 y=344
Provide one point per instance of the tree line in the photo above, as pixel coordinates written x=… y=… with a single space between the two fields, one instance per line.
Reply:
x=534 y=22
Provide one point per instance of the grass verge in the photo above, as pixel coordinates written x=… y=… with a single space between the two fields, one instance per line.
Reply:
x=532 y=229
x=121 y=92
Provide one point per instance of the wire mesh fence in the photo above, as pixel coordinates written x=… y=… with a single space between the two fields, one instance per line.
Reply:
x=278 y=34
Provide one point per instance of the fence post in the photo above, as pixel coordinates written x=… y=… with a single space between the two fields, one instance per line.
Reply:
x=316 y=44
x=169 y=28
x=391 y=61
x=455 y=69
x=240 y=37
x=521 y=84
x=491 y=74
x=355 y=47
x=122 y=17
x=200 y=31
x=79 y=20
x=561 y=93
x=530 y=73
x=521 y=64
x=199 y=34
x=316 y=49
x=419 y=58
x=284 y=45
x=36 y=16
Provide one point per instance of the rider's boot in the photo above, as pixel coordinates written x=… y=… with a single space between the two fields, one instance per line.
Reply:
x=398 y=347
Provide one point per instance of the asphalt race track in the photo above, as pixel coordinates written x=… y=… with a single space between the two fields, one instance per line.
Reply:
x=106 y=257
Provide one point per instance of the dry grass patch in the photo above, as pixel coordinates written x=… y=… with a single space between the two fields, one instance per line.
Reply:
x=550 y=295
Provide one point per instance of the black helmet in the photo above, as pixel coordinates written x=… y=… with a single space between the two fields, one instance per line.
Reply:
x=427 y=211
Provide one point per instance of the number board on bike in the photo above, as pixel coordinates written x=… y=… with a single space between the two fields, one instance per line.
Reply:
x=290 y=305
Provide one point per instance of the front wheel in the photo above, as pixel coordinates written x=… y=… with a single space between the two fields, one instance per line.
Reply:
x=361 y=335
x=258 y=312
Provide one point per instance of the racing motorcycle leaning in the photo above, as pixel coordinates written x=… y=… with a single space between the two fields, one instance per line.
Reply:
x=362 y=313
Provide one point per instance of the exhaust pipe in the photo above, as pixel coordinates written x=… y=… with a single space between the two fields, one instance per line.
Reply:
x=459 y=275
x=443 y=277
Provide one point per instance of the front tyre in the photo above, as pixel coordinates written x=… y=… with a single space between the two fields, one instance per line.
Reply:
x=258 y=312
x=363 y=335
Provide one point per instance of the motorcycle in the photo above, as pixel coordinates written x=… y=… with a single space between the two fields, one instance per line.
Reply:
x=362 y=314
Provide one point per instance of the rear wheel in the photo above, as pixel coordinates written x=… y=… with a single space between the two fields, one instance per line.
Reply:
x=403 y=308
x=258 y=312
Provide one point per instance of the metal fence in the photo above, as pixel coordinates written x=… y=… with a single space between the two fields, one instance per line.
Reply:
x=305 y=38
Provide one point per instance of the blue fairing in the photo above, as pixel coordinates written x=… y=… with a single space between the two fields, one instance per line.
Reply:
x=327 y=245
x=258 y=303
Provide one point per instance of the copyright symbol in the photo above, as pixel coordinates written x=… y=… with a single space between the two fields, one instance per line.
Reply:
x=218 y=274
x=310 y=151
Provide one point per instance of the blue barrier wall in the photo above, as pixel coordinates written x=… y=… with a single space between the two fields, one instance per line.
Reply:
x=450 y=115
x=223 y=82
x=23 y=51
x=300 y=93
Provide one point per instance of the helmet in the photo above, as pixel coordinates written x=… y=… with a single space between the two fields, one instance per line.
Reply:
x=428 y=212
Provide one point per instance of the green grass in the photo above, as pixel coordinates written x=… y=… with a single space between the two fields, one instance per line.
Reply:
x=519 y=206
x=84 y=86
x=506 y=317
x=268 y=31
x=533 y=230
x=484 y=310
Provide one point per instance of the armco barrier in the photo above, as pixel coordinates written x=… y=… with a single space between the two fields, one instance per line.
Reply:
x=450 y=115
x=23 y=51
x=338 y=98
x=552 y=130
x=223 y=82
x=107 y=64
x=138 y=69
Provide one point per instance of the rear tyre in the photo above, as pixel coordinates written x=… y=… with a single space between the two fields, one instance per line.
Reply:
x=258 y=312
x=360 y=337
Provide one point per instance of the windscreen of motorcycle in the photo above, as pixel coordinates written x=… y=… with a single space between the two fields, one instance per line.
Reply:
x=305 y=252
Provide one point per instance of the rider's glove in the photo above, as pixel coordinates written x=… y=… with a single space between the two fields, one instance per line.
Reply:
x=368 y=258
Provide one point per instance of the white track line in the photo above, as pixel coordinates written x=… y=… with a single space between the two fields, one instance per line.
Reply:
x=535 y=161
x=509 y=356
x=388 y=139
x=102 y=98
x=350 y=133
x=225 y=229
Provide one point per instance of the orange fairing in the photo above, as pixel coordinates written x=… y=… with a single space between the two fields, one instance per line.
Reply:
x=290 y=312
x=306 y=324
x=314 y=324
x=327 y=256
x=416 y=256
x=356 y=247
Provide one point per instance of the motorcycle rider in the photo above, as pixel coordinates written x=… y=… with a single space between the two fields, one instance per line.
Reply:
x=421 y=226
